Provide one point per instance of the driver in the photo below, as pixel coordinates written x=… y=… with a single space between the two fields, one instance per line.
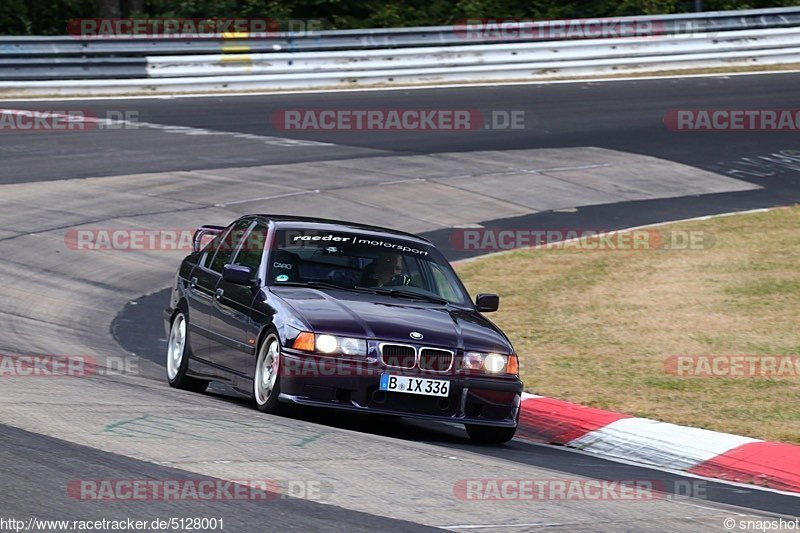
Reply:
x=385 y=271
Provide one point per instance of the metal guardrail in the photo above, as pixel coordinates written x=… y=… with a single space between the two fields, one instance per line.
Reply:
x=54 y=68
x=554 y=54
x=69 y=65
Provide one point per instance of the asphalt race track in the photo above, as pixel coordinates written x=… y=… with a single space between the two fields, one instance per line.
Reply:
x=591 y=155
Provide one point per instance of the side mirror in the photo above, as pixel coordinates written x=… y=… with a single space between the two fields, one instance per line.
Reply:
x=240 y=275
x=486 y=303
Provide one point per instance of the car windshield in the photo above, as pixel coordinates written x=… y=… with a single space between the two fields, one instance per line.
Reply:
x=396 y=267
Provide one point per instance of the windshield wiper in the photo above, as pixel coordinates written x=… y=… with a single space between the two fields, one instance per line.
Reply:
x=399 y=293
x=316 y=285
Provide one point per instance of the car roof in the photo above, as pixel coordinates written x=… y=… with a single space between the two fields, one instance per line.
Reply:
x=283 y=221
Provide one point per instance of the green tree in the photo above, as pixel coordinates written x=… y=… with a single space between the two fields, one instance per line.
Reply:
x=50 y=17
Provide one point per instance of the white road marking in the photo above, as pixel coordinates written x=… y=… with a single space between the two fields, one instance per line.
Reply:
x=659 y=443
x=167 y=128
x=259 y=199
x=529 y=396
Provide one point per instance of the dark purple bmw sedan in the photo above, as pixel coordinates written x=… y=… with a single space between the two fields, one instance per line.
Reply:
x=339 y=315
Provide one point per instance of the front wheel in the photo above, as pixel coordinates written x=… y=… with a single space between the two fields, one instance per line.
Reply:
x=178 y=351
x=267 y=382
x=490 y=434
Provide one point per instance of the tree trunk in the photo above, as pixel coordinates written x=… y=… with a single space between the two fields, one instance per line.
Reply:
x=132 y=7
x=109 y=9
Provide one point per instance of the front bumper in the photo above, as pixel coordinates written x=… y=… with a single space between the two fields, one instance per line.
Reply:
x=354 y=386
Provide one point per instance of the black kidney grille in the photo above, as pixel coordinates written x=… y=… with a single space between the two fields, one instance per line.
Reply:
x=398 y=355
x=436 y=360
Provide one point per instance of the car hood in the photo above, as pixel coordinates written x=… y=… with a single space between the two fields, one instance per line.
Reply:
x=389 y=318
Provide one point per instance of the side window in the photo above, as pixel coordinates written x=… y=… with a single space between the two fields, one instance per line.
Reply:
x=228 y=245
x=443 y=287
x=413 y=271
x=211 y=248
x=252 y=249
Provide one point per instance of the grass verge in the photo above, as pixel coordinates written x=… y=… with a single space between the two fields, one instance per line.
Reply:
x=598 y=327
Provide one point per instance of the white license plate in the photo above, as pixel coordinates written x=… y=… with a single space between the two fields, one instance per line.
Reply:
x=409 y=385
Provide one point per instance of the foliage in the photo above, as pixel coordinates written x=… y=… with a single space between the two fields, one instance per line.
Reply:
x=48 y=17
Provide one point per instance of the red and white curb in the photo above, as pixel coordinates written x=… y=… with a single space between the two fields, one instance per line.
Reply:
x=660 y=444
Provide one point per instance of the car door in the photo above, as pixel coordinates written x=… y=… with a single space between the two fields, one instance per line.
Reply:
x=200 y=297
x=233 y=305
x=203 y=284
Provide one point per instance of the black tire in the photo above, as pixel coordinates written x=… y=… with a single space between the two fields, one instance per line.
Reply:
x=490 y=434
x=267 y=402
x=177 y=366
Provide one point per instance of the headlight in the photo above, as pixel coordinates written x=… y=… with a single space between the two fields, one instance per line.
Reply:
x=326 y=343
x=473 y=361
x=350 y=346
x=330 y=344
x=493 y=363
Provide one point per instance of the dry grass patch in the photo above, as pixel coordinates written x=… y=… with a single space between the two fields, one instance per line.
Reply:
x=595 y=327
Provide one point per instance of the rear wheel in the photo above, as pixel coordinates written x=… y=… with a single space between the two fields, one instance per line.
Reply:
x=267 y=382
x=178 y=352
x=490 y=434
